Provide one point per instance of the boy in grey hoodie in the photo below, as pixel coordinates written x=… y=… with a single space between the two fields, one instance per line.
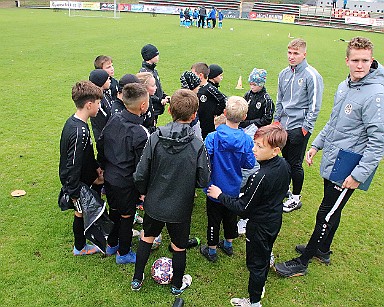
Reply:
x=356 y=124
x=299 y=96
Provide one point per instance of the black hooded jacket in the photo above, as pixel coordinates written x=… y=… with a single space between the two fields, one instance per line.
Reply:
x=174 y=162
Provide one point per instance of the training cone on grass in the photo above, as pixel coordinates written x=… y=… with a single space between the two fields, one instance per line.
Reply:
x=239 y=85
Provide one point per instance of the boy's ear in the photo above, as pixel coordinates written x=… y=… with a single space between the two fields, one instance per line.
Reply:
x=193 y=116
x=169 y=110
x=245 y=116
x=225 y=112
x=276 y=151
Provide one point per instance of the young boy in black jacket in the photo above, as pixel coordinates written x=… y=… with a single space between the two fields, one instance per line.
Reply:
x=101 y=78
x=77 y=159
x=105 y=62
x=211 y=100
x=262 y=204
x=169 y=191
x=119 y=150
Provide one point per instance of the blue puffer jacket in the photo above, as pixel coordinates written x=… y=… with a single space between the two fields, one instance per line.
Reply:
x=356 y=124
x=229 y=151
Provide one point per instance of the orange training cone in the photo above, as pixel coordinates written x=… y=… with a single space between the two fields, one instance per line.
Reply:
x=239 y=85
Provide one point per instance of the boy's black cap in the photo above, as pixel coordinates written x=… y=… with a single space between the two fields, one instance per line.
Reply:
x=189 y=80
x=149 y=52
x=98 y=77
x=126 y=79
x=214 y=71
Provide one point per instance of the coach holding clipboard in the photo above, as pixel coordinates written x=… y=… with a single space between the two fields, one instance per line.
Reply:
x=357 y=125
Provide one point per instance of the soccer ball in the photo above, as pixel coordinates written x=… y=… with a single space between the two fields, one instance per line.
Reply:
x=162 y=271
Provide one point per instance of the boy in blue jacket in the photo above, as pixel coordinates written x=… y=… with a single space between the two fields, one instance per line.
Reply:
x=230 y=150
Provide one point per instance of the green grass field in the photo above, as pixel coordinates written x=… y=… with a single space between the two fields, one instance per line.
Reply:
x=43 y=53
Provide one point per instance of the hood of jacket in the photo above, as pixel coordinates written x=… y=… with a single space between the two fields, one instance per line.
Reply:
x=148 y=65
x=375 y=76
x=229 y=139
x=174 y=136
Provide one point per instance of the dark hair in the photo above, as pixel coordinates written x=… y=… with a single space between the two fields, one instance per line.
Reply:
x=84 y=91
x=201 y=68
x=134 y=93
x=184 y=103
x=274 y=134
x=359 y=43
x=100 y=60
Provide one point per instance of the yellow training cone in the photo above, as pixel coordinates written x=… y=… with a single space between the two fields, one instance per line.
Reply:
x=239 y=85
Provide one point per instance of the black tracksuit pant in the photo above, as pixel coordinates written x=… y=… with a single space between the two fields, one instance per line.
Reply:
x=259 y=243
x=327 y=220
x=294 y=152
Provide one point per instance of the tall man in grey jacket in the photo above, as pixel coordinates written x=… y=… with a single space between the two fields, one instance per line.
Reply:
x=299 y=96
x=356 y=124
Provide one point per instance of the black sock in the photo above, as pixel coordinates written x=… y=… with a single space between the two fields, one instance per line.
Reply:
x=113 y=238
x=142 y=255
x=78 y=232
x=179 y=260
x=125 y=235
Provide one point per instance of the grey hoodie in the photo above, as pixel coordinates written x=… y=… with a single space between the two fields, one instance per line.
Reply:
x=356 y=124
x=300 y=92
x=174 y=162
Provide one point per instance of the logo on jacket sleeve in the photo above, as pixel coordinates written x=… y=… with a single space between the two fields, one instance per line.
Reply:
x=348 y=109
x=203 y=98
x=258 y=105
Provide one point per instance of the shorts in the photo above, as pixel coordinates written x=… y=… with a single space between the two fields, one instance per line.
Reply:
x=122 y=199
x=178 y=232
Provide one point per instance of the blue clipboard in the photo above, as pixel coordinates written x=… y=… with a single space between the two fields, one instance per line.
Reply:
x=346 y=161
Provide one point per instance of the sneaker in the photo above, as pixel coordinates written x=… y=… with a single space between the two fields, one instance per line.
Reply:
x=227 y=250
x=291 y=268
x=272 y=260
x=138 y=219
x=290 y=204
x=127 y=258
x=204 y=249
x=136 y=284
x=322 y=257
x=88 y=249
x=187 y=281
x=241 y=226
x=135 y=233
x=244 y=302
x=111 y=250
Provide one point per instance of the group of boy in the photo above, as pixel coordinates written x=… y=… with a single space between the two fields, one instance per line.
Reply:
x=217 y=163
x=200 y=17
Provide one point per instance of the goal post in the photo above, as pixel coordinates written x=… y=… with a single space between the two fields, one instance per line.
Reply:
x=93 y=9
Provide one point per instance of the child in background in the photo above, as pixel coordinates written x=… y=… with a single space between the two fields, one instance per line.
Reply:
x=190 y=81
x=118 y=104
x=149 y=82
x=260 y=113
x=119 y=150
x=77 y=159
x=101 y=78
x=229 y=150
x=262 y=204
x=170 y=202
x=105 y=62
x=215 y=75
x=211 y=100
x=220 y=17
x=150 y=56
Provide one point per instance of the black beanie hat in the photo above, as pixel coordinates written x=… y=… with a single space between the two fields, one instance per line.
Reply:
x=126 y=79
x=98 y=77
x=189 y=80
x=214 y=71
x=148 y=52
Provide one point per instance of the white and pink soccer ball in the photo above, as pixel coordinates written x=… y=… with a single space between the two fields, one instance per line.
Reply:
x=162 y=271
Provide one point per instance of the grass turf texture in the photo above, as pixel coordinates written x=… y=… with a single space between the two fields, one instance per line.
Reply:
x=43 y=53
